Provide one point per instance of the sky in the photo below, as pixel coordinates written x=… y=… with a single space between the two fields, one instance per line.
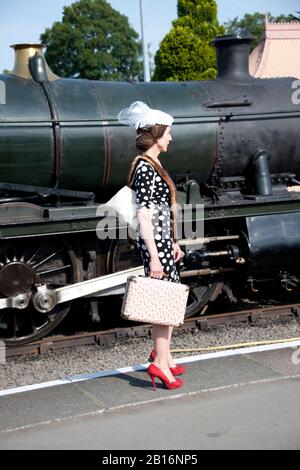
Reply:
x=24 y=20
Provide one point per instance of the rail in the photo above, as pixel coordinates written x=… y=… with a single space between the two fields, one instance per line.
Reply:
x=106 y=337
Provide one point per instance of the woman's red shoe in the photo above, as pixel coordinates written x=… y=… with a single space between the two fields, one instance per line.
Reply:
x=177 y=370
x=152 y=356
x=154 y=372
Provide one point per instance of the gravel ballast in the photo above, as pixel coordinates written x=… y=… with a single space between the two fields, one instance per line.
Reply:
x=20 y=371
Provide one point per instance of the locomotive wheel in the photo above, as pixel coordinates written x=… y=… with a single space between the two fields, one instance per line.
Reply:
x=22 y=265
x=121 y=257
x=202 y=291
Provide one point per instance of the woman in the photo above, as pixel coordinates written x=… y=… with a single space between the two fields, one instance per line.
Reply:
x=156 y=235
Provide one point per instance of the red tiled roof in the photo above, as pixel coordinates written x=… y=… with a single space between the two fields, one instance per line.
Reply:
x=278 y=55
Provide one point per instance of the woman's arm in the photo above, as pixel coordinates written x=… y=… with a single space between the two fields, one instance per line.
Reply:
x=178 y=253
x=146 y=231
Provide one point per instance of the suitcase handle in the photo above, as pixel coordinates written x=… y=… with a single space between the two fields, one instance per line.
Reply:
x=164 y=275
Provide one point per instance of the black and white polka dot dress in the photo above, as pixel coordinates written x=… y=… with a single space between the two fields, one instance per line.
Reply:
x=153 y=192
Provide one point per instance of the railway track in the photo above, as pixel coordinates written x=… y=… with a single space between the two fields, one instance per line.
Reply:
x=106 y=337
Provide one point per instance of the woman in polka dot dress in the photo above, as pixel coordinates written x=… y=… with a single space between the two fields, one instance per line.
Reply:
x=145 y=178
x=155 y=241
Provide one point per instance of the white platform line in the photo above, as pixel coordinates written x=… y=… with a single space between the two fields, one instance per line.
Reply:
x=110 y=373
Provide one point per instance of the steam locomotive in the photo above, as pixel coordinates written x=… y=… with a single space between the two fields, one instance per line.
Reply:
x=63 y=154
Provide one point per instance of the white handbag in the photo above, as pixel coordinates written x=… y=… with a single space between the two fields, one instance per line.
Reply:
x=123 y=204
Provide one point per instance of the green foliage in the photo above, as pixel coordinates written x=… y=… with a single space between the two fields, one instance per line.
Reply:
x=296 y=17
x=6 y=72
x=93 y=41
x=195 y=11
x=184 y=56
x=255 y=24
x=185 y=52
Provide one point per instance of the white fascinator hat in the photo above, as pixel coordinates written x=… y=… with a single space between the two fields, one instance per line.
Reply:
x=139 y=115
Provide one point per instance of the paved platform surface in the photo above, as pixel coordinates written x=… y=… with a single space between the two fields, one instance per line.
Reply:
x=240 y=402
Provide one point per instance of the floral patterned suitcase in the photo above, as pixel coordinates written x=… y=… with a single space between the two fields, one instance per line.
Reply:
x=149 y=300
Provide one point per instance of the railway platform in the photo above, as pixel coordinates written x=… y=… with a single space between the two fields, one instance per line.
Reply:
x=245 y=399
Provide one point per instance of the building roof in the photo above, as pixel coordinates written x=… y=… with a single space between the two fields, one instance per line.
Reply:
x=278 y=54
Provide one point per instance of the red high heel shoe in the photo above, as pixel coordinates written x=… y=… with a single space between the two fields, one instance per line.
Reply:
x=154 y=372
x=177 y=370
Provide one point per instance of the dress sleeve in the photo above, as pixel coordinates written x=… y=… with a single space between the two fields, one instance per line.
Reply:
x=142 y=184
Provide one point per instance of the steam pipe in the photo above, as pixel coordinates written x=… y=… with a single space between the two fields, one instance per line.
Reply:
x=23 y=54
x=262 y=173
x=38 y=69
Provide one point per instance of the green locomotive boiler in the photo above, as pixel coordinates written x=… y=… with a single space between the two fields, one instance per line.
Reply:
x=236 y=152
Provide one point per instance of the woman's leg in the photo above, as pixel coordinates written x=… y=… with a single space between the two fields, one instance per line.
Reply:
x=171 y=362
x=161 y=335
x=170 y=359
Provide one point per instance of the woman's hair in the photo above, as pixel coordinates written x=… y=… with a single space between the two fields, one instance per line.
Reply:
x=148 y=136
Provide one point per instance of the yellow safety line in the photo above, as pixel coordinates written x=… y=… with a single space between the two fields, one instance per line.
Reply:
x=240 y=345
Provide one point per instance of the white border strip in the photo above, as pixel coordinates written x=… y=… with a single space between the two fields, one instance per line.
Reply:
x=125 y=370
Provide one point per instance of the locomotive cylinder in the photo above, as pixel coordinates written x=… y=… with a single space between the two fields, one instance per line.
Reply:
x=274 y=240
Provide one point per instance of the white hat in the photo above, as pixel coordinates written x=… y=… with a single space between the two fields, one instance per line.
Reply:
x=139 y=115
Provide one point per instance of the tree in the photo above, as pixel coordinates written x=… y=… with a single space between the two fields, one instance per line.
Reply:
x=93 y=41
x=185 y=53
x=296 y=17
x=255 y=24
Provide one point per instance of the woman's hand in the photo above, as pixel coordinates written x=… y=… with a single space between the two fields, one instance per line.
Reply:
x=156 y=269
x=178 y=253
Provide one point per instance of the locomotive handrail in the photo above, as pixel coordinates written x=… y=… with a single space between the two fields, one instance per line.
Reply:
x=114 y=122
x=47 y=191
x=228 y=104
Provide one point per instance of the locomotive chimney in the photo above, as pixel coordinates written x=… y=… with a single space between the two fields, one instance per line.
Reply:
x=23 y=53
x=233 y=56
